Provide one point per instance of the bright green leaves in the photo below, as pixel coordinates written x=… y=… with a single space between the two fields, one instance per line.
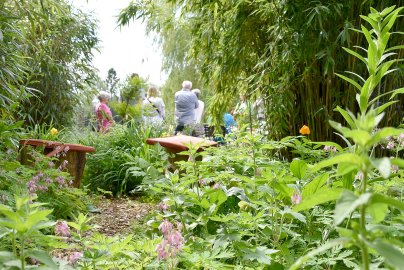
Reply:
x=378 y=205
x=298 y=168
x=321 y=196
x=377 y=39
x=392 y=255
x=261 y=254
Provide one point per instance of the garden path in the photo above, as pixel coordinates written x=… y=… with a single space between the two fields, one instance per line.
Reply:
x=118 y=214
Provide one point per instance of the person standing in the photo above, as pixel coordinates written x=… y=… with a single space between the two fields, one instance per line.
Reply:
x=185 y=104
x=103 y=112
x=198 y=131
x=153 y=107
x=201 y=107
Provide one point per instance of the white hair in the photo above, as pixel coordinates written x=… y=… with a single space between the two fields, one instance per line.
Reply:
x=187 y=85
x=103 y=95
x=197 y=92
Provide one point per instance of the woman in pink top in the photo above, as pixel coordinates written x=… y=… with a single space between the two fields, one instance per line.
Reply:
x=104 y=115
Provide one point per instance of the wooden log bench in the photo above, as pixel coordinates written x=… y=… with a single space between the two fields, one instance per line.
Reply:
x=176 y=144
x=75 y=154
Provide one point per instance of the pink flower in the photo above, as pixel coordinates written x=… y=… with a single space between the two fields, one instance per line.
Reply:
x=162 y=250
x=163 y=206
x=390 y=145
x=360 y=175
x=330 y=149
x=166 y=227
x=74 y=257
x=62 y=229
x=394 y=168
x=296 y=198
x=172 y=241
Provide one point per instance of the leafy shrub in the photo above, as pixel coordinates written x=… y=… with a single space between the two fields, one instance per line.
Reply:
x=123 y=159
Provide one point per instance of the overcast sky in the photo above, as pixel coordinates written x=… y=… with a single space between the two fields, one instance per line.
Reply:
x=125 y=49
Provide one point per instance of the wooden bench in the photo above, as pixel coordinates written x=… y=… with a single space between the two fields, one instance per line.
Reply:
x=177 y=144
x=75 y=154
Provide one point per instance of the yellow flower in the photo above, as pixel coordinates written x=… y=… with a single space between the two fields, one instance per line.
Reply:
x=305 y=130
x=54 y=131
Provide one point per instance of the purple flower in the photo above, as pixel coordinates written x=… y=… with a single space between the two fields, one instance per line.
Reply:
x=48 y=180
x=74 y=257
x=296 y=198
x=60 y=180
x=202 y=182
x=62 y=229
x=217 y=186
x=32 y=187
x=66 y=149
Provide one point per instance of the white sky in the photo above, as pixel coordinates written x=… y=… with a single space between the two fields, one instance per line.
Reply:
x=125 y=49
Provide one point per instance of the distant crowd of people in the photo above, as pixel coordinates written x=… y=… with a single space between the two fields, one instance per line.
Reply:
x=189 y=110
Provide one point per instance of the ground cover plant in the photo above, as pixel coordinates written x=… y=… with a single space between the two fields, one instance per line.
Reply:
x=251 y=203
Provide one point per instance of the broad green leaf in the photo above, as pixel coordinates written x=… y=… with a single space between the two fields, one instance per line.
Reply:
x=381 y=108
x=37 y=217
x=397 y=161
x=387 y=11
x=346 y=116
x=321 y=196
x=383 y=166
x=383 y=134
x=326 y=246
x=377 y=211
x=379 y=198
x=260 y=254
x=43 y=257
x=345 y=168
x=360 y=137
x=372 y=22
x=313 y=186
x=346 y=157
x=347 y=203
x=298 y=168
x=392 y=255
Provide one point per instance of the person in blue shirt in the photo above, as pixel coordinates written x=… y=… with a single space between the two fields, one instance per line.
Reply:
x=229 y=123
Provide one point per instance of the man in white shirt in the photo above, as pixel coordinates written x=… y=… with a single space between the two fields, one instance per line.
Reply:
x=200 y=110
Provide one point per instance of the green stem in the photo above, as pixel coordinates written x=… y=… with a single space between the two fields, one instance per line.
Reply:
x=22 y=255
x=362 y=225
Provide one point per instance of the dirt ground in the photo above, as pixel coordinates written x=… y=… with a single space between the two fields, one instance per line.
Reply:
x=116 y=215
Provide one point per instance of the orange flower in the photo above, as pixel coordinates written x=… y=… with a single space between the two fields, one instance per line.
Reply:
x=305 y=130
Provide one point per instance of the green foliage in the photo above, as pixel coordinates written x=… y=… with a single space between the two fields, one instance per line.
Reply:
x=364 y=136
x=123 y=160
x=284 y=52
x=43 y=177
x=24 y=228
x=56 y=43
